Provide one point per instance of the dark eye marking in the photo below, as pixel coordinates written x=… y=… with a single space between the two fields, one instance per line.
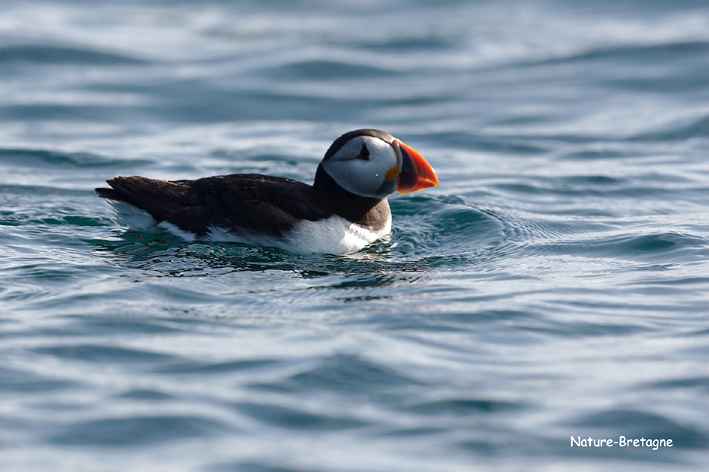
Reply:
x=363 y=153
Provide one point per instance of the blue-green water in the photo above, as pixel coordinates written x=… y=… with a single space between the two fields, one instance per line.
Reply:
x=556 y=284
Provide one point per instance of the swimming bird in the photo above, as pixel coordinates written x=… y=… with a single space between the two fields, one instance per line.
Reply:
x=344 y=210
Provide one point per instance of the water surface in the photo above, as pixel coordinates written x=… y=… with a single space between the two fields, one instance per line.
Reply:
x=555 y=285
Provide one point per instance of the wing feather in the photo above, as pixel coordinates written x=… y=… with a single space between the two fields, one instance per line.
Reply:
x=237 y=202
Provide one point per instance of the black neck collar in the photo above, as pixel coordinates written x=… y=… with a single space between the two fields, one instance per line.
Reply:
x=365 y=211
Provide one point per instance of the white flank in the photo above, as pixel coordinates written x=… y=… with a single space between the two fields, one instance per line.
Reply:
x=133 y=217
x=334 y=235
x=177 y=231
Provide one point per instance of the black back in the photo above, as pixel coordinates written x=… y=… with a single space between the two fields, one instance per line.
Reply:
x=250 y=202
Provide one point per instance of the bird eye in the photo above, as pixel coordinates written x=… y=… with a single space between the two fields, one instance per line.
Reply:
x=363 y=153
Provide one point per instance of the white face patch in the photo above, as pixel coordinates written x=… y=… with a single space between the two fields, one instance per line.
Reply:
x=364 y=177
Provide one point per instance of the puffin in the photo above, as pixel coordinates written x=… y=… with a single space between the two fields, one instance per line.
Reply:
x=345 y=209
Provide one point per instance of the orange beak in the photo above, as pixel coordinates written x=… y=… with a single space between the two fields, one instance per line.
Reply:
x=414 y=172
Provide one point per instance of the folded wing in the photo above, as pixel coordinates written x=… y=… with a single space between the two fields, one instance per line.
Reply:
x=238 y=202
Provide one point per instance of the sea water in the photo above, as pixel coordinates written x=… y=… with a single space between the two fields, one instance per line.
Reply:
x=548 y=299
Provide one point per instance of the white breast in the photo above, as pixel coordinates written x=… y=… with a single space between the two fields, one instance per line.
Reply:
x=334 y=235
